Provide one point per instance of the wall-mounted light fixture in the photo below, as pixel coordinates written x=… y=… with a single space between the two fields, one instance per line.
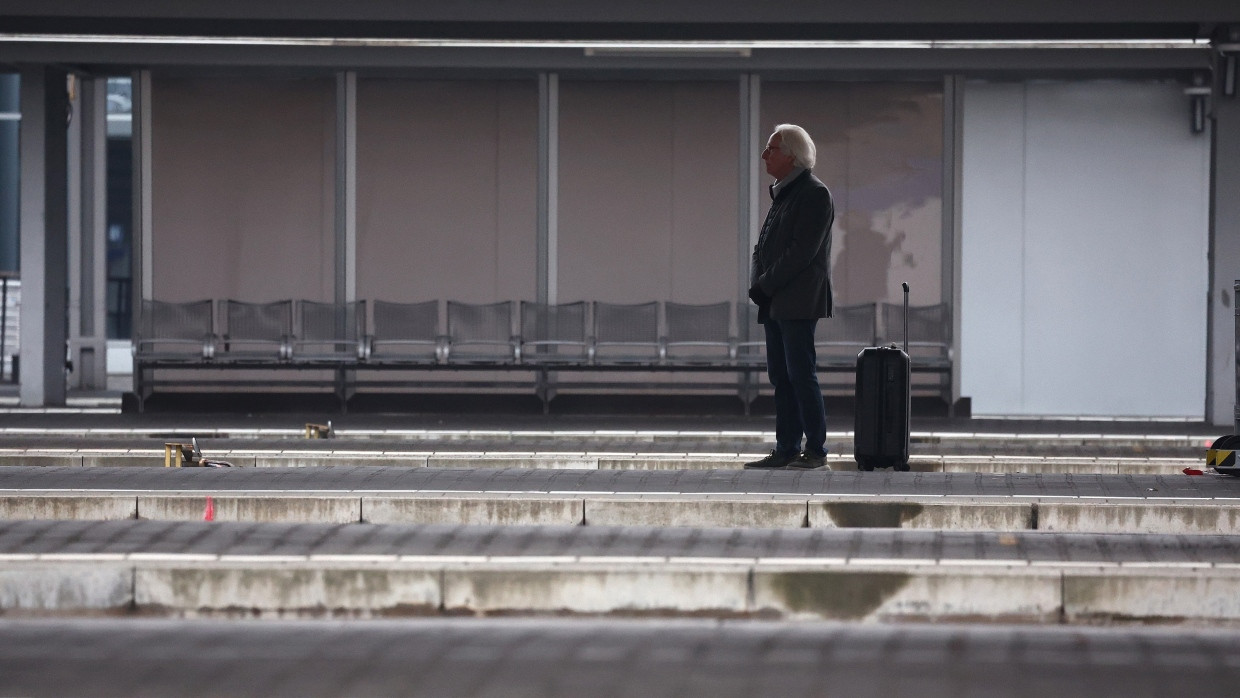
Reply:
x=1197 y=96
x=1227 y=63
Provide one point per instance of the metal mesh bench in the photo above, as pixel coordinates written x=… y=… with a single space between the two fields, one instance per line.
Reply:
x=698 y=334
x=176 y=331
x=839 y=338
x=257 y=331
x=481 y=333
x=929 y=333
x=626 y=333
x=752 y=351
x=330 y=331
x=552 y=343
x=553 y=334
x=171 y=335
x=406 y=333
x=929 y=342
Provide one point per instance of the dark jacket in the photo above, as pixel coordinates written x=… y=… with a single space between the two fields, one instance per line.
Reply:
x=791 y=262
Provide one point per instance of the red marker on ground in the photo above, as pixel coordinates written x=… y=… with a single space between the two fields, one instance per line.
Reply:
x=209 y=514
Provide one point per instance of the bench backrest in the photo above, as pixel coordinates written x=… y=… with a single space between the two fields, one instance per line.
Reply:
x=480 y=330
x=626 y=331
x=553 y=330
x=271 y=322
x=929 y=329
x=191 y=320
x=331 y=322
x=698 y=331
x=850 y=329
x=406 y=321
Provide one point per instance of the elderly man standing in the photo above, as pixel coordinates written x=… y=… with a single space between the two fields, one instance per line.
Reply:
x=791 y=284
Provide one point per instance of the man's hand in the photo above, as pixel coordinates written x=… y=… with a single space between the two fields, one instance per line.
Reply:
x=758 y=297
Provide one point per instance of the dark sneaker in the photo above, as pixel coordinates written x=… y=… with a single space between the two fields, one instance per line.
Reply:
x=806 y=461
x=775 y=461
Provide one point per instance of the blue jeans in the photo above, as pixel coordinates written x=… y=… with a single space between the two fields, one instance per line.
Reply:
x=791 y=365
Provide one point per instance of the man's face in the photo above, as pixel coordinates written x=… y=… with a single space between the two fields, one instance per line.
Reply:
x=778 y=165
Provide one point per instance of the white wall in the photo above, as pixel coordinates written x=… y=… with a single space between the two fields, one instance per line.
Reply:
x=1084 y=238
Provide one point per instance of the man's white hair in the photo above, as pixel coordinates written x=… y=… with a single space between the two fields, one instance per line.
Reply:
x=794 y=141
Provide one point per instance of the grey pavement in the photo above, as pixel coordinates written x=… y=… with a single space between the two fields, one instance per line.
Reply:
x=61 y=540
x=587 y=441
x=524 y=480
x=697 y=498
x=550 y=658
x=686 y=431
x=212 y=569
x=483 y=515
x=649 y=414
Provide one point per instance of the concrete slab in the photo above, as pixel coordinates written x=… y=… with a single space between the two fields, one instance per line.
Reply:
x=23 y=460
x=280 y=590
x=41 y=588
x=100 y=507
x=199 y=568
x=868 y=513
x=1152 y=596
x=507 y=510
x=1135 y=488
x=615 y=589
x=595 y=460
x=28 y=540
x=252 y=508
x=671 y=463
x=115 y=460
x=287 y=588
x=315 y=461
x=662 y=510
x=1142 y=517
x=923 y=594
x=507 y=461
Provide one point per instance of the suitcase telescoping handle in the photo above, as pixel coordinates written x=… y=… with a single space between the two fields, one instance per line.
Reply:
x=905 y=285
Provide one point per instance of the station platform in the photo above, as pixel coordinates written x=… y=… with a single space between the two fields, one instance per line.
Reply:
x=568 y=658
x=585 y=554
x=246 y=570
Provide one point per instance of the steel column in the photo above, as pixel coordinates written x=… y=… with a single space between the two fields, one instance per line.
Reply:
x=44 y=234
x=548 y=186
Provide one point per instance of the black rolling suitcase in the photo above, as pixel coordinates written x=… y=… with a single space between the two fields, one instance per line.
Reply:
x=883 y=399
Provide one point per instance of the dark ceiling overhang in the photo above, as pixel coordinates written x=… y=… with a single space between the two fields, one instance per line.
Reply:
x=610 y=20
x=617 y=31
x=630 y=19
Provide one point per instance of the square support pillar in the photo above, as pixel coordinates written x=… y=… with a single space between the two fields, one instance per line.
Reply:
x=1224 y=259
x=44 y=234
x=88 y=240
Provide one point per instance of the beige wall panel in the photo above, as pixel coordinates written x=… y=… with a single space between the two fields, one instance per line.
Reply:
x=615 y=193
x=647 y=191
x=517 y=190
x=880 y=151
x=447 y=189
x=242 y=188
x=704 y=182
